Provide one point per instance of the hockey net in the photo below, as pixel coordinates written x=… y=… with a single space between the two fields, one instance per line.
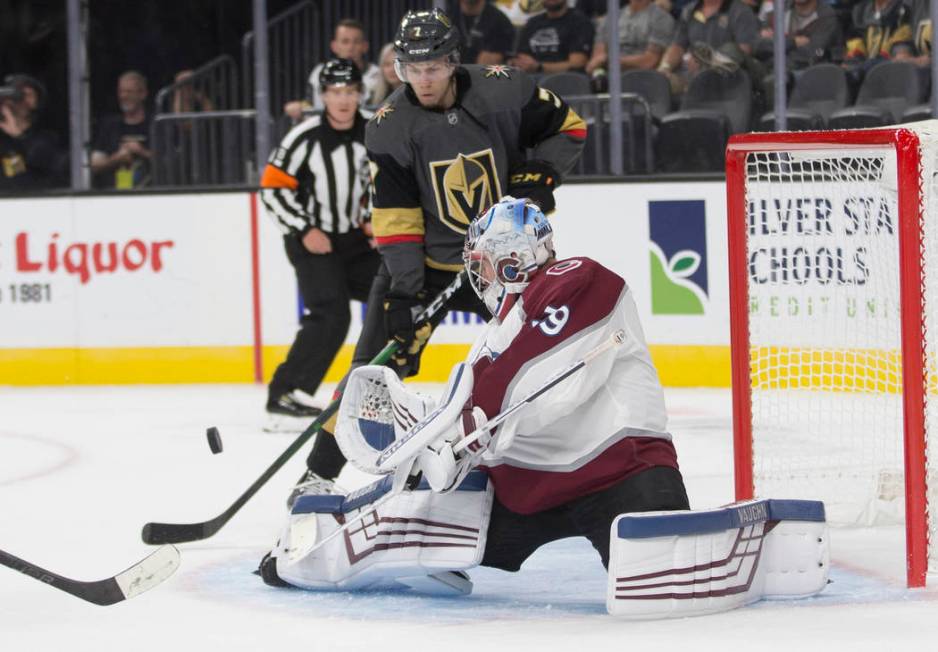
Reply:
x=833 y=240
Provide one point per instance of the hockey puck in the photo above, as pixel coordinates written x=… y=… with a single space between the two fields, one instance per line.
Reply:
x=214 y=440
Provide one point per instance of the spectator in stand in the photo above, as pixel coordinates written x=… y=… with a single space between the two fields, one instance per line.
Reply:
x=594 y=9
x=558 y=40
x=487 y=36
x=120 y=150
x=812 y=35
x=349 y=41
x=520 y=11
x=187 y=98
x=879 y=30
x=919 y=51
x=30 y=158
x=645 y=30
x=388 y=74
x=713 y=24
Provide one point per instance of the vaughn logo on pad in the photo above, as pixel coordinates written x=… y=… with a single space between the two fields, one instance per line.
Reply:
x=678 y=249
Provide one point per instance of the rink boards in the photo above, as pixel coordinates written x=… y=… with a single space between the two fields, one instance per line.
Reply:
x=177 y=288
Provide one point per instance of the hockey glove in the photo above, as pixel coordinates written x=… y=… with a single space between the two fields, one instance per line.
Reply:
x=400 y=321
x=439 y=463
x=474 y=417
x=535 y=180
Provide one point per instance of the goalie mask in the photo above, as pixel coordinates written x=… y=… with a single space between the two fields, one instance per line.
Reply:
x=504 y=247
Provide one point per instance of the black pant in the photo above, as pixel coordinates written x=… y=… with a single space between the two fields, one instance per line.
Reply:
x=512 y=538
x=327 y=282
x=325 y=459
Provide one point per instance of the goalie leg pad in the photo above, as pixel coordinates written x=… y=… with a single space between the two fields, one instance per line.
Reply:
x=415 y=540
x=677 y=564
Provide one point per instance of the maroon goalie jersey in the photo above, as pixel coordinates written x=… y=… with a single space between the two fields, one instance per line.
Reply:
x=598 y=426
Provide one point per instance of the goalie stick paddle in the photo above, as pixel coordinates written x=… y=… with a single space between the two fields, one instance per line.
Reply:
x=156 y=533
x=140 y=577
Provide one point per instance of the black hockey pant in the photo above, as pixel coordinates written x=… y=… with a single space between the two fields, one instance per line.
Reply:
x=327 y=282
x=512 y=538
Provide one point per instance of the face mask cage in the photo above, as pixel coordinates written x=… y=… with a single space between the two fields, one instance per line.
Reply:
x=474 y=266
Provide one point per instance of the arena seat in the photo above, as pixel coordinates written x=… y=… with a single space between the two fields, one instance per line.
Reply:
x=566 y=83
x=715 y=105
x=886 y=92
x=819 y=91
x=653 y=86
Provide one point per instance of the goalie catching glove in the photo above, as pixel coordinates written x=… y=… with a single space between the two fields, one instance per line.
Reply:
x=535 y=180
x=382 y=426
x=400 y=321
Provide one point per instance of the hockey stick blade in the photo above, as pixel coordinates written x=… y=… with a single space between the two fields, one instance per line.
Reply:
x=159 y=533
x=141 y=577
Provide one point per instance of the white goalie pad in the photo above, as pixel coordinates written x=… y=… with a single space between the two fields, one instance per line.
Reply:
x=408 y=542
x=677 y=564
x=382 y=424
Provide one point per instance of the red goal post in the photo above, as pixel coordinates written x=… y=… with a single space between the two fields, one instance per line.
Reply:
x=823 y=313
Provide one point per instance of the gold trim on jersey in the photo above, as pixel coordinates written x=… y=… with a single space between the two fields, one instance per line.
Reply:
x=465 y=187
x=573 y=122
x=397 y=221
x=446 y=267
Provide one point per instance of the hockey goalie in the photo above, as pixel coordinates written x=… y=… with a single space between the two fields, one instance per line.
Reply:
x=554 y=427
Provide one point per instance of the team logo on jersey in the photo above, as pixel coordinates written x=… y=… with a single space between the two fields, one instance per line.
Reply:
x=498 y=70
x=464 y=187
x=678 y=231
x=382 y=113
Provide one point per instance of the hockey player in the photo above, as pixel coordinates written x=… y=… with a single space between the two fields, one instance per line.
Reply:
x=443 y=148
x=579 y=459
x=315 y=187
x=590 y=449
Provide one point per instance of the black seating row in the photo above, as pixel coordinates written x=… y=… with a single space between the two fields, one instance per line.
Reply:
x=717 y=105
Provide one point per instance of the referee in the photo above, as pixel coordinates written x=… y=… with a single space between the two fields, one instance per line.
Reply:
x=316 y=189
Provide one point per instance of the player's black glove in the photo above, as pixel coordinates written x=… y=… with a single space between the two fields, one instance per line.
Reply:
x=535 y=180
x=400 y=321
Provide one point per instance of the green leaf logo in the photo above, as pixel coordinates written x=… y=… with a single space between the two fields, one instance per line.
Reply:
x=671 y=293
x=684 y=263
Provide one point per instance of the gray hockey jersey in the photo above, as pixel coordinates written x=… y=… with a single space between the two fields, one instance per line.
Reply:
x=434 y=171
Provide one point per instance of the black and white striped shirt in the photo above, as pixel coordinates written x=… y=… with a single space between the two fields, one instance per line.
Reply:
x=318 y=178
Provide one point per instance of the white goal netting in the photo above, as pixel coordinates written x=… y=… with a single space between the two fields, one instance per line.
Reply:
x=824 y=327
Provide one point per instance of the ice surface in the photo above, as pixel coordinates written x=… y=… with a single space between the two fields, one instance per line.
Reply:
x=82 y=468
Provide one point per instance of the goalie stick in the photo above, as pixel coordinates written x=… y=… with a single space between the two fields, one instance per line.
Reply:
x=403 y=474
x=140 y=577
x=156 y=533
